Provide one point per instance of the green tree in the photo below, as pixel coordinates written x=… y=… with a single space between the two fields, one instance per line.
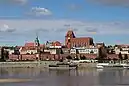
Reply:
x=102 y=55
x=4 y=54
x=69 y=57
x=125 y=57
x=120 y=56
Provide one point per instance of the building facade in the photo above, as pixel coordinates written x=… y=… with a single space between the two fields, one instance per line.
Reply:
x=84 y=50
x=122 y=50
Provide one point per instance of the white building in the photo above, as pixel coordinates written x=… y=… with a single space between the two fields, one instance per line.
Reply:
x=55 y=48
x=124 y=50
x=84 y=50
x=10 y=51
x=28 y=50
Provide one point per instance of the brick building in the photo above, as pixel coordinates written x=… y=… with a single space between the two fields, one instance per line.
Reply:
x=72 y=41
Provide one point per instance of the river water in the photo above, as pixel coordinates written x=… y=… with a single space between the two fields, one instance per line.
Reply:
x=83 y=77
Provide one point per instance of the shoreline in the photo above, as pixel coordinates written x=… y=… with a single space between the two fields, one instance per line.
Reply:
x=40 y=64
x=45 y=65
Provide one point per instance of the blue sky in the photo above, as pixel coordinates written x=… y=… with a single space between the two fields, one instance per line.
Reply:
x=104 y=20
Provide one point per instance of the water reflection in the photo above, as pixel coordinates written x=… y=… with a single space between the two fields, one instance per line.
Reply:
x=87 y=77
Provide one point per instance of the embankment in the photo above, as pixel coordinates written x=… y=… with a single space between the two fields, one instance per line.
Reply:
x=27 y=64
x=41 y=64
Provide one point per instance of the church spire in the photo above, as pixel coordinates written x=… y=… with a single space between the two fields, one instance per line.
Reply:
x=37 y=40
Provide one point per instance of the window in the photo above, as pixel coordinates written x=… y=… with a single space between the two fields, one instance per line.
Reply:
x=68 y=40
x=91 y=51
x=95 y=50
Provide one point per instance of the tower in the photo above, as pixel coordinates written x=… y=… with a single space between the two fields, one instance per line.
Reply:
x=68 y=38
x=37 y=42
x=37 y=45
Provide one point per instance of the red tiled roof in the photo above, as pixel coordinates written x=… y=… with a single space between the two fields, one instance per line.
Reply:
x=30 y=44
x=28 y=48
x=42 y=45
x=56 y=43
x=19 y=46
x=81 y=38
x=112 y=56
x=91 y=56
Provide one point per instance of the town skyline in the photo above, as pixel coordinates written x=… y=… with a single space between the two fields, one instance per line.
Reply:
x=105 y=21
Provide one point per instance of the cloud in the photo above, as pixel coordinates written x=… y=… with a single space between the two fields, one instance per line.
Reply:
x=20 y=1
x=38 y=11
x=6 y=28
x=42 y=30
x=16 y=2
x=91 y=30
x=112 y=2
x=56 y=29
x=60 y=26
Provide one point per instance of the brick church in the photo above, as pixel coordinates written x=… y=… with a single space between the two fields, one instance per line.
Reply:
x=72 y=41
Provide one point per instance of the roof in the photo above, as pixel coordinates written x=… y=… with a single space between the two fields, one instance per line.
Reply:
x=30 y=44
x=19 y=47
x=123 y=45
x=28 y=48
x=56 y=43
x=112 y=56
x=81 y=39
x=91 y=56
x=100 y=43
x=70 y=33
x=42 y=45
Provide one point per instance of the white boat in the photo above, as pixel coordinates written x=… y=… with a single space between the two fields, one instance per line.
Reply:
x=63 y=65
x=101 y=65
x=109 y=65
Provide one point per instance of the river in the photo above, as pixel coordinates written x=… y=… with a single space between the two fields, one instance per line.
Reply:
x=83 y=77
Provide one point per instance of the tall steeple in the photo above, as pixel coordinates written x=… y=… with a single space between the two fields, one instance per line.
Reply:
x=70 y=33
x=37 y=40
x=68 y=37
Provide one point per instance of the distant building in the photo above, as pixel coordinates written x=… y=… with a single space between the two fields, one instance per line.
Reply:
x=32 y=47
x=55 y=48
x=100 y=45
x=71 y=41
x=123 y=49
x=112 y=56
x=84 y=50
x=28 y=50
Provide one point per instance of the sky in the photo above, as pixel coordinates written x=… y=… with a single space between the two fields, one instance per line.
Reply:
x=104 y=20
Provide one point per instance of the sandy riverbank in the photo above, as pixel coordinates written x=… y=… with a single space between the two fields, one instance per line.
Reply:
x=14 y=80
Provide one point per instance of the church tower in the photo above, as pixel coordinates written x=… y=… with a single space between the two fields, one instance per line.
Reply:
x=37 y=45
x=68 y=38
x=37 y=42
